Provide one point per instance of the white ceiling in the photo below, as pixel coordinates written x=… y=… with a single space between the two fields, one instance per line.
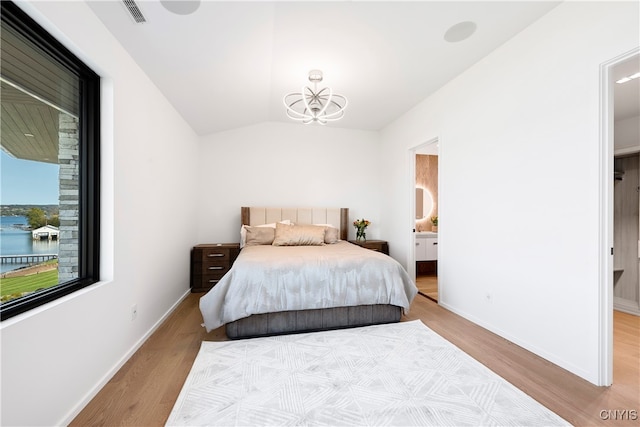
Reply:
x=229 y=64
x=626 y=96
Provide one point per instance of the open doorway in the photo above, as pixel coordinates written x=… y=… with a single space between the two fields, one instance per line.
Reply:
x=620 y=139
x=425 y=221
x=626 y=202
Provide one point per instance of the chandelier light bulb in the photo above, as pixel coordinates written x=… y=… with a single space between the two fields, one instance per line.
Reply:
x=312 y=105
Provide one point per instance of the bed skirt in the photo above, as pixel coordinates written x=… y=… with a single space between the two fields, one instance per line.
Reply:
x=287 y=322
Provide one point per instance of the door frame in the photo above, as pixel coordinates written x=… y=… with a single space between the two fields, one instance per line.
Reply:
x=411 y=253
x=605 y=232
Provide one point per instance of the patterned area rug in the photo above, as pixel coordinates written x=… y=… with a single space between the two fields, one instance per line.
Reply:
x=400 y=374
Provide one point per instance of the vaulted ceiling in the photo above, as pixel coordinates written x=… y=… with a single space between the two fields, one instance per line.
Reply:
x=229 y=63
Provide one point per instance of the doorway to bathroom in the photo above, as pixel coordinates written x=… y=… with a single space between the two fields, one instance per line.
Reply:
x=425 y=221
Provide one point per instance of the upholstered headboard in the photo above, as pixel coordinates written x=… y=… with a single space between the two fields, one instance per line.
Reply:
x=337 y=217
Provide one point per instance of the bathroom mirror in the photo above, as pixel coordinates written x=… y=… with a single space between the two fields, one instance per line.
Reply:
x=424 y=203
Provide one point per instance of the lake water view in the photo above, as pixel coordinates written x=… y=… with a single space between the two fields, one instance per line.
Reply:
x=15 y=241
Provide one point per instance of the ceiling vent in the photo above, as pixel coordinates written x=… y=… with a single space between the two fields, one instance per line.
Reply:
x=135 y=11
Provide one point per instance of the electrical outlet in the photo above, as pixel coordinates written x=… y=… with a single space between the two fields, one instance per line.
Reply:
x=134 y=311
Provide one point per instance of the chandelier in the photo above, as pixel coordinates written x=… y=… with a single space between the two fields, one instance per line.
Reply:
x=313 y=105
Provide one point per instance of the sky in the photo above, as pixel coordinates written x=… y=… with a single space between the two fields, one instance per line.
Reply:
x=25 y=182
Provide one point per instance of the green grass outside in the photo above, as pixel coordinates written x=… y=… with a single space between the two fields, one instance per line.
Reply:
x=14 y=287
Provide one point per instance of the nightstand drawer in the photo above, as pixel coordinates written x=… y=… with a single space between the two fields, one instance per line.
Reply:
x=216 y=254
x=204 y=282
x=374 y=245
x=216 y=264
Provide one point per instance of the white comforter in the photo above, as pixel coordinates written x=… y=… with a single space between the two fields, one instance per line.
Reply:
x=267 y=279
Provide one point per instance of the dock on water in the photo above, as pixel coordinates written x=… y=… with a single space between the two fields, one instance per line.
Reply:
x=27 y=259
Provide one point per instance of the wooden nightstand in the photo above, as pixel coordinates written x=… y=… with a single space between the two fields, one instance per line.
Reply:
x=209 y=263
x=374 y=245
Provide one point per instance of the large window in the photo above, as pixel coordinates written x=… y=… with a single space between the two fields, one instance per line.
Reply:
x=49 y=167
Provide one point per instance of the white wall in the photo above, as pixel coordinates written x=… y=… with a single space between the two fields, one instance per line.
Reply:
x=282 y=164
x=56 y=357
x=627 y=135
x=519 y=140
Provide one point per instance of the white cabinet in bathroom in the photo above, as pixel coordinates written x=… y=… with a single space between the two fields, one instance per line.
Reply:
x=426 y=247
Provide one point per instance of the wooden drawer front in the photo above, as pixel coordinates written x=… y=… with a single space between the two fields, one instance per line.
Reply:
x=215 y=269
x=373 y=247
x=377 y=246
x=207 y=281
x=215 y=255
x=214 y=264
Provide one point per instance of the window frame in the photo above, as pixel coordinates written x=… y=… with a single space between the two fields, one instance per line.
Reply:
x=89 y=157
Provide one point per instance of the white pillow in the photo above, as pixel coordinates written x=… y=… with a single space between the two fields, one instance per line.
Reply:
x=243 y=231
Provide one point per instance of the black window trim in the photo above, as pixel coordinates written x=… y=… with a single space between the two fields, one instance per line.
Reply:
x=89 y=147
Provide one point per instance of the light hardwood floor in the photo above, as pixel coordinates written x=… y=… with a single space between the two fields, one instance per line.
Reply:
x=428 y=286
x=143 y=392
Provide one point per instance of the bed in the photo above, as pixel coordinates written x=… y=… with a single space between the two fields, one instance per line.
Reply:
x=296 y=272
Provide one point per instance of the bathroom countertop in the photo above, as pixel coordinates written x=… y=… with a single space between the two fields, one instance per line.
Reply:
x=427 y=233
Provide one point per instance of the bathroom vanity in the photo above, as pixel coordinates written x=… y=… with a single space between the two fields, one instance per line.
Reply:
x=426 y=246
x=426 y=253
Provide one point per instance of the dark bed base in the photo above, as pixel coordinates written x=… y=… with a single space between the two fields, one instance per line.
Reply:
x=287 y=322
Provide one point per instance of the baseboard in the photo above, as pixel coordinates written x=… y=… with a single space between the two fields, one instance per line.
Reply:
x=626 y=306
x=524 y=344
x=107 y=377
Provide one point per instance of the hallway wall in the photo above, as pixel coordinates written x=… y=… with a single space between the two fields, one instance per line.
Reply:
x=626 y=287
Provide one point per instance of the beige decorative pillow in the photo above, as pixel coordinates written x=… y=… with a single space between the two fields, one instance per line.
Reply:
x=259 y=236
x=331 y=235
x=243 y=230
x=298 y=235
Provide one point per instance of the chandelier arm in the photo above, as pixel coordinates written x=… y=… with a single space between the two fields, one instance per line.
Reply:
x=295 y=115
x=340 y=108
x=306 y=103
x=327 y=103
x=301 y=118
x=291 y=112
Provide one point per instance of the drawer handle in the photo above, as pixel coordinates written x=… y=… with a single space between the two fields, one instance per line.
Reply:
x=215 y=255
x=435 y=243
x=213 y=281
x=215 y=267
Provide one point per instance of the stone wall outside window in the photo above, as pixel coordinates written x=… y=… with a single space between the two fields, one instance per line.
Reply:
x=68 y=159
